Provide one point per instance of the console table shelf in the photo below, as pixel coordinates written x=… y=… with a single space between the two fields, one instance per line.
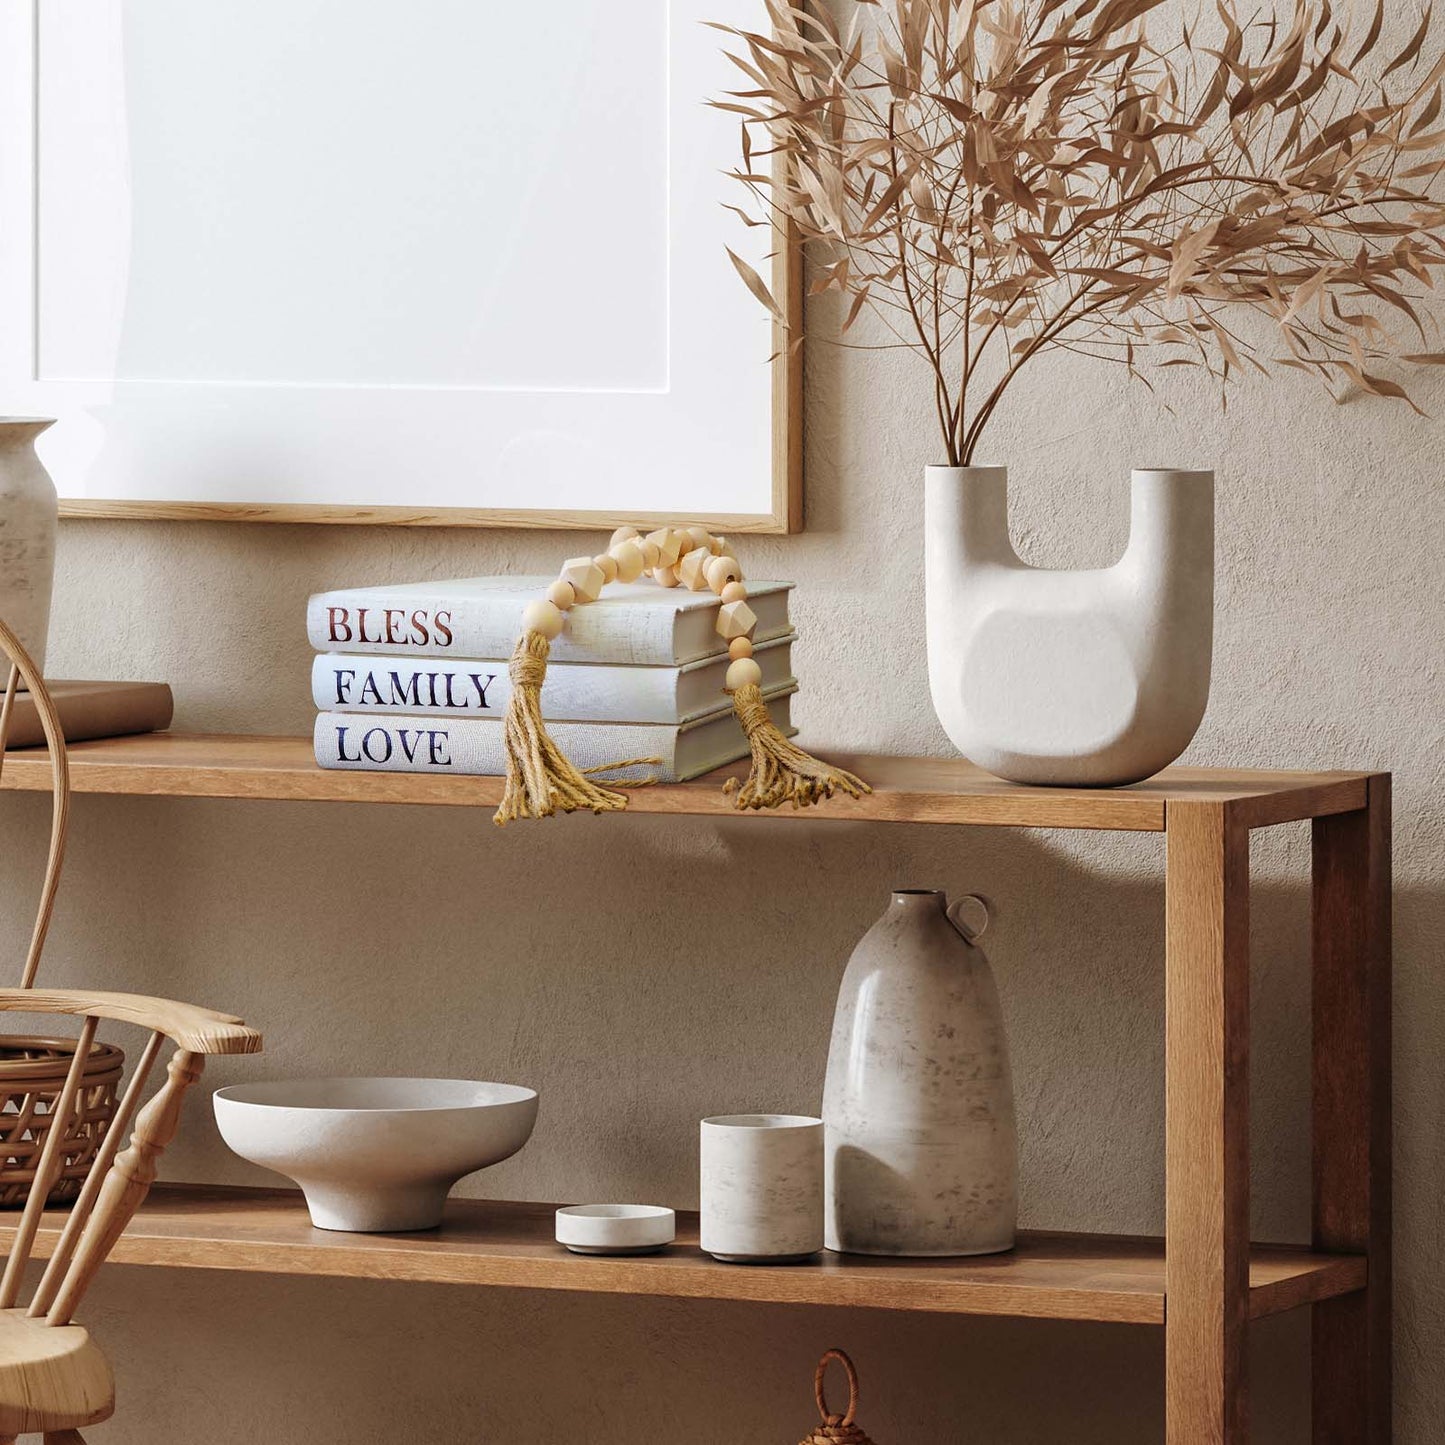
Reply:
x=906 y=790
x=1049 y=1276
x=1204 y=1283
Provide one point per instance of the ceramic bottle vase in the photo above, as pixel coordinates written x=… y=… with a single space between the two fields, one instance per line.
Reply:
x=1084 y=678
x=921 y=1149
x=27 y=535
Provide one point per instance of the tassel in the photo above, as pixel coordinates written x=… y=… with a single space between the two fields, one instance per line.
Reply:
x=540 y=779
x=782 y=772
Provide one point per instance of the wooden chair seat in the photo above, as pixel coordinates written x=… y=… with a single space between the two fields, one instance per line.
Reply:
x=52 y=1377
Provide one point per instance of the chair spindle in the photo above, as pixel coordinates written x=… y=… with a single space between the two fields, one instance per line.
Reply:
x=81 y=1210
x=7 y=708
x=127 y=1182
x=47 y=1170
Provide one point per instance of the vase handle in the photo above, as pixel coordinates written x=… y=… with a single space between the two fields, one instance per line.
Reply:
x=967 y=931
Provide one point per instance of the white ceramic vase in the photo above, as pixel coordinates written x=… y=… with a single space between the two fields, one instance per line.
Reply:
x=28 y=511
x=920 y=1148
x=1086 y=678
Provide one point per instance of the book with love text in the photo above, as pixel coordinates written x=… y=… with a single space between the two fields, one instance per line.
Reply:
x=418 y=744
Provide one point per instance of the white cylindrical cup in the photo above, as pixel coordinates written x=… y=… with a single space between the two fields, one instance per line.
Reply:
x=762 y=1187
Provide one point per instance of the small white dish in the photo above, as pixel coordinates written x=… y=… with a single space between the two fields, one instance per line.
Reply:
x=616 y=1228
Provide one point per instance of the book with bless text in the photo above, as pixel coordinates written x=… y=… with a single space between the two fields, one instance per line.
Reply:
x=638 y=623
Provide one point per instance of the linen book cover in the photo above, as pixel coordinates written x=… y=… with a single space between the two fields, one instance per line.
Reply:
x=418 y=744
x=573 y=691
x=634 y=623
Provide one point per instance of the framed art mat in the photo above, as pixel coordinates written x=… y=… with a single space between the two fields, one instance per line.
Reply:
x=365 y=261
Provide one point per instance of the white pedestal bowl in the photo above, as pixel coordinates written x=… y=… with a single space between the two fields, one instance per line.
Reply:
x=375 y=1155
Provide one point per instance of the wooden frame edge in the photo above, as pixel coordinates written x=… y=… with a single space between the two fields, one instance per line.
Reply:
x=787 y=364
x=300 y=513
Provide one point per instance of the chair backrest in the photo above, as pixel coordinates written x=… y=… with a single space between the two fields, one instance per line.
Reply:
x=20 y=668
x=117 y=1181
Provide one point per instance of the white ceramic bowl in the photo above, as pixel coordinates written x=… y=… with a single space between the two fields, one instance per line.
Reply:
x=616 y=1228
x=375 y=1154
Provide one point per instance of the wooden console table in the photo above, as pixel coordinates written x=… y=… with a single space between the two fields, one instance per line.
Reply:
x=1203 y=1282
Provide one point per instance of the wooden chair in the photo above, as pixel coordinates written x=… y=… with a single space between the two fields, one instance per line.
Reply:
x=53 y=1379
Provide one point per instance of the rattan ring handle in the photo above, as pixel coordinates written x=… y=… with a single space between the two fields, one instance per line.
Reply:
x=22 y=667
x=818 y=1380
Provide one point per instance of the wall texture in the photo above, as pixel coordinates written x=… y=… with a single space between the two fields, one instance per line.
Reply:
x=644 y=973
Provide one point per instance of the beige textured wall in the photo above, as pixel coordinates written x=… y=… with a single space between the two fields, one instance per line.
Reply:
x=644 y=973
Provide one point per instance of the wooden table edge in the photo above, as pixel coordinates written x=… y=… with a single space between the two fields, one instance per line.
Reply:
x=280 y=769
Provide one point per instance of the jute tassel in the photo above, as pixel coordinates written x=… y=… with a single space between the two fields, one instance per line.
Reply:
x=781 y=771
x=540 y=778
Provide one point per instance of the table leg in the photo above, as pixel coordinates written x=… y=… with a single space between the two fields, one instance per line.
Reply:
x=1206 y=1125
x=1351 y=1106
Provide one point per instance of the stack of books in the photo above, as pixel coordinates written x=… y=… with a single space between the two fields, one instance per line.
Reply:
x=414 y=678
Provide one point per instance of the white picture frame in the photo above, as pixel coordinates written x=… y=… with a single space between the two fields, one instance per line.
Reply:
x=262 y=273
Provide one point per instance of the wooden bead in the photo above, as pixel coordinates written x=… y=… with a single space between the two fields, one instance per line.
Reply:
x=665 y=576
x=562 y=595
x=628 y=556
x=720 y=571
x=734 y=592
x=700 y=537
x=736 y=619
x=607 y=566
x=740 y=647
x=651 y=553
x=717 y=545
x=543 y=617
x=669 y=545
x=742 y=672
x=690 y=569
x=585 y=576
x=622 y=534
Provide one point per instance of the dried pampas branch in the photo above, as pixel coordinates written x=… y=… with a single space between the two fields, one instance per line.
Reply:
x=999 y=178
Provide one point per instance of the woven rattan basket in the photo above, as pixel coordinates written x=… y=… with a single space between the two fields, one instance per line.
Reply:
x=32 y=1070
x=836 y=1429
x=32 y=1074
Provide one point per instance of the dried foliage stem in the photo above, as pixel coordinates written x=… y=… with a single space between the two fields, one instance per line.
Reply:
x=1122 y=179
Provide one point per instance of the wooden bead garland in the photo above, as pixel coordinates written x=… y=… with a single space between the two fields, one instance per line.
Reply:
x=722 y=572
x=669 y=547
x=690 y=570
x=736 y=619
x=629 y=558
x=586 y=579
x=541 y=779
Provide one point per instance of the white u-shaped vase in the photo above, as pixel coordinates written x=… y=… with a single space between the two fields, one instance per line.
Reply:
x=1071 y=678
